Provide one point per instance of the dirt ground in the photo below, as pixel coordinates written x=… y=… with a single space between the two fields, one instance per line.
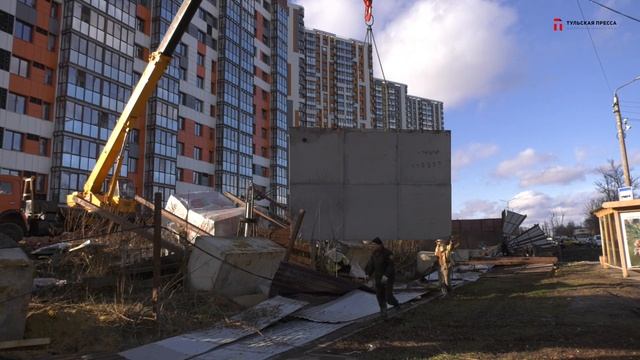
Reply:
x=579 y=311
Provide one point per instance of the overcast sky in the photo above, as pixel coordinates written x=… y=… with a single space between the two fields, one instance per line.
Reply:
x=529 y=108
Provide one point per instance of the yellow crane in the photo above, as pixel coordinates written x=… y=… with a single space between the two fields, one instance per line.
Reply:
x=113 y=152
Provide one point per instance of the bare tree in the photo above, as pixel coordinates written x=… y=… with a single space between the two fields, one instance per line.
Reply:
x=612 y=179
x=591 y=221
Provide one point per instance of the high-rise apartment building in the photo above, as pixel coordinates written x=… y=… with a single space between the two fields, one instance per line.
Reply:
x=331 y=77
x=216 y=120
x=424 y=114
x=390 y=105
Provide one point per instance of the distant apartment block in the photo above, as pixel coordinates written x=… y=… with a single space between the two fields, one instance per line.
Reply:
x=424 y=114
x=390 y=105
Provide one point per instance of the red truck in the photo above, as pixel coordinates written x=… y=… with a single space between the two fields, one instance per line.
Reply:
x=21 y=213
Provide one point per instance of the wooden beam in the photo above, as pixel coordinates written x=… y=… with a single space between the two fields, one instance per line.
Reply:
x=173 y=217
x=12 y=344
x=126 y=225
x=236 y=200
x=621 y=245
x=512 y=260
x=294 y=234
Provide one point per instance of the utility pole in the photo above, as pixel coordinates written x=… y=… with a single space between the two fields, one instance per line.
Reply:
x=157 y=237
x=621 y=139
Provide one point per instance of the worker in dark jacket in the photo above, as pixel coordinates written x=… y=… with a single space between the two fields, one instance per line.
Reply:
x=382 y=269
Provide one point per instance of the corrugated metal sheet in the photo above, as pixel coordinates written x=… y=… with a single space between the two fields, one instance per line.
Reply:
x=241 y=325
x=273 y=341
x=534 y=236
x=294 y=279
x=511 y=221
x=355 y=305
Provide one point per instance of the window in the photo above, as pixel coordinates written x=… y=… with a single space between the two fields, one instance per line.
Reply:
x=85 y=14
x=263 y=151
x=200 y=178
x=180 y=123
x=5 y=60
x=200 y=82
x=43 y=146
x=140 y=24
x=201 y=36
x=19 y=66
x=134 y=136
x=23 y=31
x=31 y=3
x=180 y=173
x=211 y=158
x=6 y=22
x=264 y=133
x=140 y=52
x=54 y=10
x=197 y=105
x=17 y=103
x=197 y=153
x=200 y=59
x=133 y=164
x=183 y=49
x=48 y=76
x=11 y=140
x=51 y=42
x=198 y=129
x=180 y=148
x=46 y=110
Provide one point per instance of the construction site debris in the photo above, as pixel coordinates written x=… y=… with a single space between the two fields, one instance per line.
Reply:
x=208 y=211
x=513 y=260
x=51 y=250
x=43 y=283
x=291 y=279
x=234 y=266
x=15 y=292
x=237 y=327
x=13 y=344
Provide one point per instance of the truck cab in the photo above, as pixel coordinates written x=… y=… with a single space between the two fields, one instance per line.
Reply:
x=12 y=217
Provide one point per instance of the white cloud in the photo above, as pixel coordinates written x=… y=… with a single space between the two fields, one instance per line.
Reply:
x=525 y=160
x=553 y=175
x=581 y=154
x=538 y=206
x=478 y=209
x=447 y=50
x=470 y=154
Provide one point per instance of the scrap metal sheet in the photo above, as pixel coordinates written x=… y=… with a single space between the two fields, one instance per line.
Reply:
x=350 y=307
x=241 y=325
x=273 y=341
x=511 y=221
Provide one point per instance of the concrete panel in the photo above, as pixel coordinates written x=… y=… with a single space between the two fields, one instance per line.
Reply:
x=358 y=184
x=317 y=157
x=370 y=158
x=424 y=159
x=16 y=280
x=424 y=211
x=325 y=210
x=370 y=211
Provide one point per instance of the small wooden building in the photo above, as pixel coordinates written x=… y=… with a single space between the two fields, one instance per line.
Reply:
x=620 y=231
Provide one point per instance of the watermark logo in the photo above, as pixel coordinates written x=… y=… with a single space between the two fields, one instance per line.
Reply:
x=560 y=25
x=557 y=24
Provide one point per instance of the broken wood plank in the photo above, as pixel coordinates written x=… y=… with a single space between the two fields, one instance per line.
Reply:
x=12 y=344
x=511 y=260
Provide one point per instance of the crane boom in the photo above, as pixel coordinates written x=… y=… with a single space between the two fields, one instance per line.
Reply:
x=112 y=154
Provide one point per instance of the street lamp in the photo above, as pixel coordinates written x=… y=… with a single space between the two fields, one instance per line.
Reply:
x=621 y=140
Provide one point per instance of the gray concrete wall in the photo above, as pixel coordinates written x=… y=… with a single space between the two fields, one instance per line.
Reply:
x=358 y=184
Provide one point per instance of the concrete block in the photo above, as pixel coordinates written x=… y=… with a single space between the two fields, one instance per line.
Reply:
x=367 y=164
x=233 y=267
x=424 y=158
x=317 y=157
x=424 y=211
x=370 y=211
x=325 y=214
x=15 y=284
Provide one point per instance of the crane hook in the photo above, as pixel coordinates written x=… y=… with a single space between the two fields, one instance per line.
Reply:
x=368 y=12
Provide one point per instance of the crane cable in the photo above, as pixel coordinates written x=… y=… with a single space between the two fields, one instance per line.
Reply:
x=371 y=41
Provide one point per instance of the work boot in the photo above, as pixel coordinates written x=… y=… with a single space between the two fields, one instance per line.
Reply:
x=383 y=313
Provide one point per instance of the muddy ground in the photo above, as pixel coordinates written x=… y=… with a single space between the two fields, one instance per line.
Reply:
x=579 y=311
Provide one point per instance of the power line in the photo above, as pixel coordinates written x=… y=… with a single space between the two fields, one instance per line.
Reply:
x=595 y=50
x=616 y=11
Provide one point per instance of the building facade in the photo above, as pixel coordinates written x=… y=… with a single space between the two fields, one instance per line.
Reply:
x=216 y=120
x=424 y=114
x=390 y=105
